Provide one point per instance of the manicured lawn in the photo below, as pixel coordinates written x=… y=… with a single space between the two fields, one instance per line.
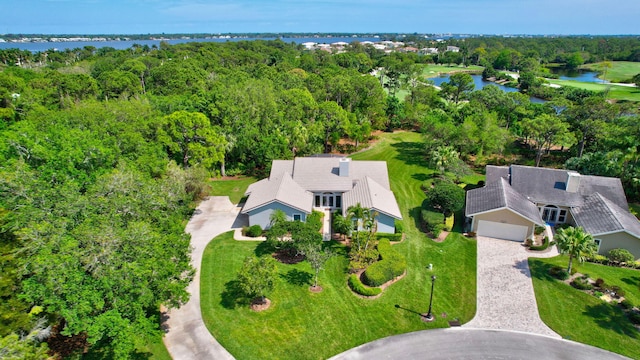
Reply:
x=304 y=325
x=582 y=317
x=433 y=70
x=615 y=91
x=234 y=188
x=619 y=71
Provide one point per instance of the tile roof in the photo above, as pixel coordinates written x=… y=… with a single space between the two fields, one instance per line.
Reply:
x=598 y=215
x=369 y=194
x=278 y=189
x=500 y=195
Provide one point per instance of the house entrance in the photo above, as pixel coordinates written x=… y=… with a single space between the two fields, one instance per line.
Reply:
x=328 y=200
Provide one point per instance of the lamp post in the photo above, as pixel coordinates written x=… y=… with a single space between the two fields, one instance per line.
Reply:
x=428 y=317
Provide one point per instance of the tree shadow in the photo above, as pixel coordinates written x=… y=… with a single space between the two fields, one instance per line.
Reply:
x=233 y=295
x=411 y=153
x=540 y=270
x=415 y=214
x=523 y=267
x=633 y=281
x=297 y=277
x=611 y=318
x=421 y=176
x=264 y=248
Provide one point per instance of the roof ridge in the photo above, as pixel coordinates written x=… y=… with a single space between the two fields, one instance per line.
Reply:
x=609 y=205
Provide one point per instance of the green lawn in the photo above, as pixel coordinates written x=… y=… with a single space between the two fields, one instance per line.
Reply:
x=584 y=318
x=304 y=325
x=619 y=71
x=234 y=188
x=615 y=91
x=433 y=70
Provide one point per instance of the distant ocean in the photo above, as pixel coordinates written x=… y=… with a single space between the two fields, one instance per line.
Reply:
x=125 y=44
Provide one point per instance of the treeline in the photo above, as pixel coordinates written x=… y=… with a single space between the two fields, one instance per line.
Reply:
x=103 y=153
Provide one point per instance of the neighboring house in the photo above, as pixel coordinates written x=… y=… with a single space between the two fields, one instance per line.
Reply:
x=517 y=198
x=299 y=186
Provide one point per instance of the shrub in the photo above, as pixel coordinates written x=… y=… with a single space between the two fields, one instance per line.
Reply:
x=600 y=282
x=356 y=285
x=634 y=317
x=581 y=284
x=315 y=220
x=559 y=273
x=391 y=237
x=538 y=230
x=399 y=225
x=544 y=246
x=617 y=290
x=621 y=256
x=626 y=304
x=254 y=231
x=598 y=259
x=392 y=265
x=597 y=294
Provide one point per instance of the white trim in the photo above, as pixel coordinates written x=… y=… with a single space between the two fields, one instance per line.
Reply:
x=245 y=211
x=615 y=232
x=598 y=242
x=293 y=216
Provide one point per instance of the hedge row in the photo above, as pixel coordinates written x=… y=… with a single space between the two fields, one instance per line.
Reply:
x=433 y=221
x=544 y=246
x=391 y=237
x=356 y=285
x=392 y=265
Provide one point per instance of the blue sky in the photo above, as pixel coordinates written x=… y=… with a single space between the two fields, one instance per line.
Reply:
x=349 y=16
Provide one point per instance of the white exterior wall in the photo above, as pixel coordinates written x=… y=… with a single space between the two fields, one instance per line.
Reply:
x=261 y=216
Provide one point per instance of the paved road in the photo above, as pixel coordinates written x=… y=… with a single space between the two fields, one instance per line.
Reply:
x=476 y=344
x=187 y=337
x=505 y=296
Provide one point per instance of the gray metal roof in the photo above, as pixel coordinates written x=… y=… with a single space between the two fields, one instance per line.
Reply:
x=494 y=173
x=322 y=174
x=279 y=167
x=371 y=195
x=547 y=186
x=500 y=195
x=598 y=215
x=278 y=189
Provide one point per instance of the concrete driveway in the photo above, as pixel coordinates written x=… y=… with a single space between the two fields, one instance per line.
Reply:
x=505 y=297
x=474 y=344
x=187 y=337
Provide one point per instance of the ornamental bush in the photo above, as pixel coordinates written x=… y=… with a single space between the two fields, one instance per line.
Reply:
x=581 y=283
x=391 y=265
x=559 y=273
x=544 y=246
x=254 y=231
x=356 y=285
x=621 y=256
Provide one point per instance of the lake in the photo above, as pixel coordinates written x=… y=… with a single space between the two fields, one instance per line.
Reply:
x=578 y=75
x=481 y=83
x=125 y=44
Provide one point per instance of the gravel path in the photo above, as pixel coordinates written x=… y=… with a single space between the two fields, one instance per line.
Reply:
x=505 y=297
x=187 y=337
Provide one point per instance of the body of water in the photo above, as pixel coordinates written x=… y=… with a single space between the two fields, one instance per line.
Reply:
x=577 y=75
x=480 y=83
x=125 y=44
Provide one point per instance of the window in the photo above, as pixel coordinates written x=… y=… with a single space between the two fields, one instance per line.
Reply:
x=297 y=217
x=317 y=200
x=562 y=217
x=338 y=201
x=597 y=241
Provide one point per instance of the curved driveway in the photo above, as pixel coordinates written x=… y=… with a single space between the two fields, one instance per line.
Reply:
x=187 y=337
x=476 y=344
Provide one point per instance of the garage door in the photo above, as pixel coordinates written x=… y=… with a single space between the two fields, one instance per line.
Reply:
x=502 y=231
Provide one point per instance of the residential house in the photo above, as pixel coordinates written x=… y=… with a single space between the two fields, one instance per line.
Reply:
x=517 y=198
x=323 y=183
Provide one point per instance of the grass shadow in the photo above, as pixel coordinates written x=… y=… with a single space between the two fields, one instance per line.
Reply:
x=408 y=310
x=415 y=214
x=612 y=318
x=264 y=248
x=634 y=281
x=540 y=270
x=297 y=277
x=421 y=176
x=233 y=295
x=411 y=153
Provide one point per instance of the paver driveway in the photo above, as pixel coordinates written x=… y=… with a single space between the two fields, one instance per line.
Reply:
x=505 y=297
x=187 y=337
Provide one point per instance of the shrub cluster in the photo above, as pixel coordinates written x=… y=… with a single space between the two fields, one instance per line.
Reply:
x=598 y=259
x=626 y=304
x=433 y=221
x=314 y=220
x=392 y=265
x=544 y=246
x=252 y=231
x=391 y=237
x=399 y=225
x=582 y=283
x=634 y=317
x=538 y=230
x=621 y=256
x=356 y=285
x=559 y=273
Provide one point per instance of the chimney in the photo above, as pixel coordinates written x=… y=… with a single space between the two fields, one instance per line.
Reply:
x=344 y=167
x=573 y=182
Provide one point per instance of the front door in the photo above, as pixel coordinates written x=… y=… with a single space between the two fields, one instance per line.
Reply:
x=550 y=214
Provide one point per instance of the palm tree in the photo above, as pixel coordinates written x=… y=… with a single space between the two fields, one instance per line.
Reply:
x=443 y=157
x=576 y=242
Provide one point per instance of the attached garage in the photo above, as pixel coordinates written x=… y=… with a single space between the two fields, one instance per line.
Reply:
x=502 y=231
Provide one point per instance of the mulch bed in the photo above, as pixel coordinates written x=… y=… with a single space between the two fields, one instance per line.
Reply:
x=285 y=257
x=61 y=346
x=259 y=305
x=443 y=235
x=315 y=289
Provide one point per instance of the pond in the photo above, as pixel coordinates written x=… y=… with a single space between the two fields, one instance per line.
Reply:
x=577 y=75
x=480 y=84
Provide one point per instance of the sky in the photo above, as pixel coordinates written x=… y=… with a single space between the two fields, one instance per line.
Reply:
x=563 y=17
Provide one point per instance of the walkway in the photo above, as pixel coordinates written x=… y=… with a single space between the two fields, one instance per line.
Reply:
x=187 y=337
x=505 y=297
